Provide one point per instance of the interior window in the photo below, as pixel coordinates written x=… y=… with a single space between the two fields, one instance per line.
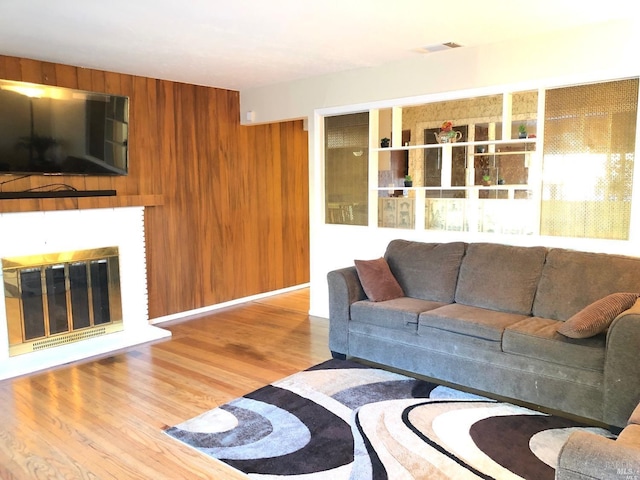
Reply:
x=347 y=168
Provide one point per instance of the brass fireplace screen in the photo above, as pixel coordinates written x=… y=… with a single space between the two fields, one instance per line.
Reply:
x=60 y=298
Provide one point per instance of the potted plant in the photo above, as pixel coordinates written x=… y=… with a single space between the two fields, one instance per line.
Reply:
x=486 y=180
x=385 y=142
x=522 y=131
x=408 y=182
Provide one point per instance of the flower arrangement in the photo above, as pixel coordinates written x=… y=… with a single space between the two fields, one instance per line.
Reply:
x=447 y=134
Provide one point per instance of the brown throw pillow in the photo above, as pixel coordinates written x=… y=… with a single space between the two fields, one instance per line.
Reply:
x=596 y=318
x=377 y=280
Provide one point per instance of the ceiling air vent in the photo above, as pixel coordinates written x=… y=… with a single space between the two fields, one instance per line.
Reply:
x=439 y=47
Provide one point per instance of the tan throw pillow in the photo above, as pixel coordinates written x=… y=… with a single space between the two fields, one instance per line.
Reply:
x=377 y=280
x=596 y=318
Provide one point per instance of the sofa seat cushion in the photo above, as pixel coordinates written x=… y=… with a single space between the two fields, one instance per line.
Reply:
x=538 y=338
x=399 y=313
x=500 y=277
x=467 y=320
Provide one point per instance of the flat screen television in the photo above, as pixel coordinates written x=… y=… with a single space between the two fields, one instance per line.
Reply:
x=47 y=130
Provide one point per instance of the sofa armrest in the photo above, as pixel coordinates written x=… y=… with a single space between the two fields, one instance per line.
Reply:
x=634 y=419
x=586 y=455
x=622 y=369
x=344 y=289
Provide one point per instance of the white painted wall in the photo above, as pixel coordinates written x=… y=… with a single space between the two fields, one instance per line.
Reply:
x=600 y=52
x=605 y=50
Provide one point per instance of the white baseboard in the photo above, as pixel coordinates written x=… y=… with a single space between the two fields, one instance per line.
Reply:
x=230 y=303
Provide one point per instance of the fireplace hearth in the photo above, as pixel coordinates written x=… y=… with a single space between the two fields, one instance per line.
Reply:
x=57 y=334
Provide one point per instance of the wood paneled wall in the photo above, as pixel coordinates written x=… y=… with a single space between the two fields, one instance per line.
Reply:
x=235 y=219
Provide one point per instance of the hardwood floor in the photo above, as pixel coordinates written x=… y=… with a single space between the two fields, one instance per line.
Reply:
x=103 y=418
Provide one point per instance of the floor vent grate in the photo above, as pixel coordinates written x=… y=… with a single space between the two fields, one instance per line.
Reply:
x=69 y=338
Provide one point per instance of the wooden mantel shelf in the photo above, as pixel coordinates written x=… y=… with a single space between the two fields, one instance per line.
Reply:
x=78 y=203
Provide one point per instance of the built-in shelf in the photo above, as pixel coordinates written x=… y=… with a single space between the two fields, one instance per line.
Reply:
x=497 y=143
x=497 y=186
x=78 y=203
x=506 y=152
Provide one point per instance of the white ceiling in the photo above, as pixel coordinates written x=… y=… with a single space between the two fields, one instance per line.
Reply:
x=240 y=44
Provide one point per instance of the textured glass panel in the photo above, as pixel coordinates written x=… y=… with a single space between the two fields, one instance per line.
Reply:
x=524 y=111
x=460 y=112
x=588 y=160
x=345 y=131
x=100 y=291
x=396 y=212
x=446 y=210
x=347 y=168
x=31 y=296
x=79 y=285
x=56 y=299
x=498 y=213
x=493 y=210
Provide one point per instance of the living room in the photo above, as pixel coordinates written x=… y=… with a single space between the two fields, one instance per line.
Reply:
x=234 y=209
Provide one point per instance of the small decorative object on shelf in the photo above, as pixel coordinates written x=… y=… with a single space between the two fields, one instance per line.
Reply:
x=385 y=142
x=408 y=182
x=486 y=180
x=522 y=131
x=447 y=134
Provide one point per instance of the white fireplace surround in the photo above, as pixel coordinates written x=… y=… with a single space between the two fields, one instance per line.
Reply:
x=66 y=230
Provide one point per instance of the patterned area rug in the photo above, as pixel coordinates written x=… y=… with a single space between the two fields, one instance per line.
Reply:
x=343 y=420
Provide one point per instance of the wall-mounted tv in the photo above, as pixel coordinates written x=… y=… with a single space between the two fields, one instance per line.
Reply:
x=60 y=131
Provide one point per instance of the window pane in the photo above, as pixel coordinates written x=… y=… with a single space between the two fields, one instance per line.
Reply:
x=396 y=212
x=446 y=210
x=507 y=210
x=422 y=122
x=347 y=168
x=588 y=160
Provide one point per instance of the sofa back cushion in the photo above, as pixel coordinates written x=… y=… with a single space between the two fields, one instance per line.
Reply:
x=572 y=280
x=500 y=277
x=428 y=271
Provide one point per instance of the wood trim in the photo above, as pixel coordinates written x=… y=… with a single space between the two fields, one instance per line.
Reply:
x=230 y=216
x=78 y=203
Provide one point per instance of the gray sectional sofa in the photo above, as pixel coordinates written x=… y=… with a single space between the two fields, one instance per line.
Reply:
x=486 y=316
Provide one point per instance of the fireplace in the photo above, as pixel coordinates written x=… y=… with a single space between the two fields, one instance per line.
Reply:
x=59 y=298
x=72 y=261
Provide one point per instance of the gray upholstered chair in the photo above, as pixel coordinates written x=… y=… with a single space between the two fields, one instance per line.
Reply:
x=586 y=455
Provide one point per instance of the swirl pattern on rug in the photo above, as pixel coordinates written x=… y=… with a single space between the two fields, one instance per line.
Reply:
x=342 y=420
